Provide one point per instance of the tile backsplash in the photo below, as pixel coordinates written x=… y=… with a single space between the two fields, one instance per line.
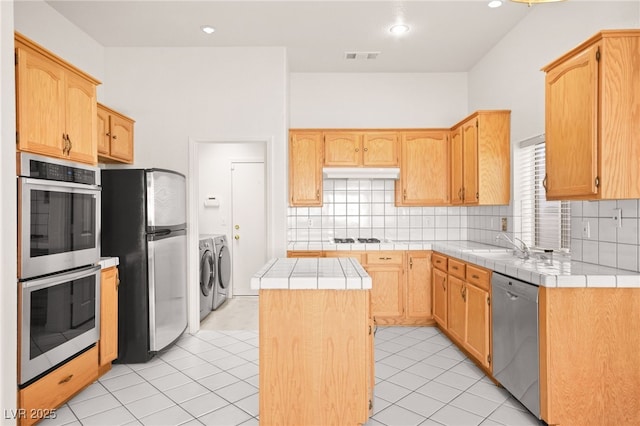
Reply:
x=365 y=209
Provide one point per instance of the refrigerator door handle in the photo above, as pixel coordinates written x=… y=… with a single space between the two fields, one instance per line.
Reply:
x=151 y=264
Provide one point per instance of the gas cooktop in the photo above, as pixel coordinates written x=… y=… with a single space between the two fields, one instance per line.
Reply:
x=352 y=241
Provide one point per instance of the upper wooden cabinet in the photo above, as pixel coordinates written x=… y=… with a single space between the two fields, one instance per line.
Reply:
x=424 y=168
x=480 y=159
x=592 y=119
x=305 y=168
x=55 y=105
x=361 y=149
x=115 y=136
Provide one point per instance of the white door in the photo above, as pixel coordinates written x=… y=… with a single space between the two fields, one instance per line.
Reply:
x=249 y=224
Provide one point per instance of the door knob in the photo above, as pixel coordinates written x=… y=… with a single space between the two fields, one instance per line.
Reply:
x=237 y=237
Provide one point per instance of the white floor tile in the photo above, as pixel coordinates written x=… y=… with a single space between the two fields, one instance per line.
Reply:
x=425 y=370
x=379 y=354
x=122 y=382
x=440 y=339
x=489 y=391
x=214 y=354
x=201 y=371
x=203 y=404
x=441 y=362
x=468 y=370
x=452 y=416
x=250 y=422
x=398 y=416
x=96 y=389
x=218 y=381
x=187 y=362
x=250 y=355
x=390 y=347
x=514 y=403
x=452 y=352
x=170 y=417
x=224 y=341
x=408 y=380
x=510 y=416
x=117 y=370
x=238 y=347
x=474 y=404
x=94 y=406
x=114 y=417
x=414 y=354
x=390 y=391
x=405 y=341
x=144 y=365
x=229 y=362
x=174 y=353
x=62 y=416
x=227 y=416
x=156 y=371
x=147 y=406
x=250 y=404
x=170 y=381
x=197 y=346
x=384 y=371
x=398 y=361
x=236 y=391
x=244 y=371
x=254 y=380
x=489 y=422
x=135 y=393
x=421 y=404
x=379 y=404
x=439 y=391
x=455 y=380
x=186 y=392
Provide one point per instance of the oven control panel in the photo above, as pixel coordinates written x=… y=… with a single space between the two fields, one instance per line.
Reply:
x=60 y=172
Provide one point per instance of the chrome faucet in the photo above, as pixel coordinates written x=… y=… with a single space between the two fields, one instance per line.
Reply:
x=523 y=249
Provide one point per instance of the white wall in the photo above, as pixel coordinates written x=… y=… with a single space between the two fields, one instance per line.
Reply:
x=377 y=100
x=214 y=178
x=44 y=25
x=8 y=287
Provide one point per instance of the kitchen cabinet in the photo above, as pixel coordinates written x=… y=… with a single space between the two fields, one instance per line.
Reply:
x=302 y=330
x=55 y=105
x=440 y=293
x=424 y=169
x=304 y=253
x=480 y=159
x=592 y=119
x=115 y=136
x=49 y=392
x=387 y=288
x=361 y=149
x=109 y=282
x=418 y=294
x=462 y=299
x=305 y=168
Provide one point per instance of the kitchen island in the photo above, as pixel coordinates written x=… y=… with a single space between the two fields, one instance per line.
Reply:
x=316 y=342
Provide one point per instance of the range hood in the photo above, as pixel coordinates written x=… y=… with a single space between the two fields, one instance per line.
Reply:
x=361 y=172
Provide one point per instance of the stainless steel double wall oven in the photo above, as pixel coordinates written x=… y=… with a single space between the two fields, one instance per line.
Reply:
x=58 y=255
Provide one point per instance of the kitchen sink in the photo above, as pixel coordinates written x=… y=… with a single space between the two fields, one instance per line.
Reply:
x=499 y=255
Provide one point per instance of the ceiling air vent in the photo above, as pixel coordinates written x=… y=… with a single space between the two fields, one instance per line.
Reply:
x=361 y=55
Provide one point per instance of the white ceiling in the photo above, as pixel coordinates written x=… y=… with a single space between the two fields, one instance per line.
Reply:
x=445 y=36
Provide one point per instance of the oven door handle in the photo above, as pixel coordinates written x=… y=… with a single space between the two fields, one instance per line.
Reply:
x=56 y=184
x=65 y=276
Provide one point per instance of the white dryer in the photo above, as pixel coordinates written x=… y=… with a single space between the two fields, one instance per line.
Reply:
x=223 y=270
x=207 y=275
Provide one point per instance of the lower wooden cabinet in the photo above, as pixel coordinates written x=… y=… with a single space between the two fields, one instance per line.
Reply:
x=418 y=295
x=462 y=306
x=316 y=357
x=44 y=395
x=109 y=282
x=387 y=285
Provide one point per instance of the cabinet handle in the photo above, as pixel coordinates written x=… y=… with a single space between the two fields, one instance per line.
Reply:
x=544 y=183
x=108 y=134
x=410 y=263
x=384 y=258
x=66 y=145
x=357 y=149
x=366 y=149
x=66 y=379
x=317 y=194
x=70 y=144
x=463 y=193
x=444 y=279
x=460 y=193
x=115 y=136
x=404 y=194
x=463 y=292
x=475 y=277
x=455 y=268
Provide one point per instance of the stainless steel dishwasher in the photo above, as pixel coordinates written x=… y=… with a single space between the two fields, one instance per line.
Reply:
x=515 y=339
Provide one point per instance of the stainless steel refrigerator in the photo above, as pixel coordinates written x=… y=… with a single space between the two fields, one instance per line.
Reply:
x=144 y=225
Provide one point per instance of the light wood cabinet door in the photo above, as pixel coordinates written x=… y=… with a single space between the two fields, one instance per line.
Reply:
x=305 y=169
x=456 y=309
x=40 y=93
x=380 y=149
x=419 y=285
x=386 y=291
x=424 y=170
x=439 y=284
x=342 y=149
x=80 y=119
x=571 y=126
x=456 y=166
x=115 y=136
x=102 y=128
x=477 y=324
x=470 y=162
x=109 y=282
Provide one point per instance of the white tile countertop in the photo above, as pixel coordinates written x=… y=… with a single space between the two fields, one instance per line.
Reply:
x=561 y=272
x=108 y=262
x=311 y=274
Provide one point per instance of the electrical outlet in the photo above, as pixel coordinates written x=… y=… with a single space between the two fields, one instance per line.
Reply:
x=503 y=224
x=310 y=223
x=586 y=229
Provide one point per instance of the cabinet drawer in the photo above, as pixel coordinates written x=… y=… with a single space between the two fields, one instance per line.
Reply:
x=384 y=258
x=58 y=386
x=456 y=268
x=479 y=277
x=344 y=253
x=439 y=262
x=303 y=253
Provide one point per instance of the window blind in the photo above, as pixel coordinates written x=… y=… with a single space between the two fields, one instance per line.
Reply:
x=545 y=224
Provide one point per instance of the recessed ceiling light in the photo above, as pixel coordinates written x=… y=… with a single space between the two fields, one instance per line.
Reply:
x=495 y=3
x=208 y=29
x=399 y=29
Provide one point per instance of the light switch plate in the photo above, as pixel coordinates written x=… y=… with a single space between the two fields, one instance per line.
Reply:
x=503 y=224
x=586 y=229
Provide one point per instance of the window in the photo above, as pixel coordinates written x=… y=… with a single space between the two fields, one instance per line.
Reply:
x=545 y=224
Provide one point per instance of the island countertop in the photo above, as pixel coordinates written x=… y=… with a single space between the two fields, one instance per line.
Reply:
x=311 y=274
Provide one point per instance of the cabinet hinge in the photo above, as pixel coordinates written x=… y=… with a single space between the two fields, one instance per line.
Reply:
x=598 y=54
x=476 y=123
x=16 y=58
x=370 y=405
x=17 y=138
x=369 y=329
x=489 y=358
x=597 y=182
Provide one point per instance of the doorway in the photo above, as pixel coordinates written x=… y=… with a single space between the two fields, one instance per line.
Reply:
x=249 y=230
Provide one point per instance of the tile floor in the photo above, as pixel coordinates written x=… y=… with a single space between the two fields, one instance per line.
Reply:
x=211 y=378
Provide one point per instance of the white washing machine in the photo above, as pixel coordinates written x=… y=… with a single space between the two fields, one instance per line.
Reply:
x=222 y=280
x=207 y=275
